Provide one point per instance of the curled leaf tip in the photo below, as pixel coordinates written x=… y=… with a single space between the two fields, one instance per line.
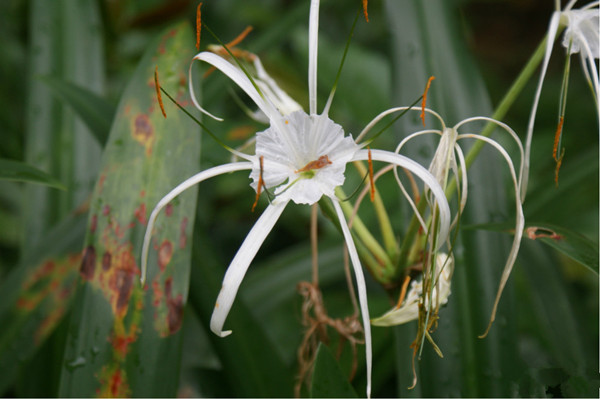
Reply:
x=424 y=102
x=198 y=25
x=365 y=4
x=158 y=95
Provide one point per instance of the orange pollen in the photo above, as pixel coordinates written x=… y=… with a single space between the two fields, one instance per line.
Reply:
x=158 y=95
x=365 y=3
x=371 y=175
x=318 y=164
x=557 y=138
x=260 y=182
x=424 y=102
x=198 y=25
x=403 y=292
x=558 y=164
x=239 y=38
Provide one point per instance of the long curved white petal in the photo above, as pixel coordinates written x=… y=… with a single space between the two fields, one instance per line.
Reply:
x=238 y=77
x=240 y=263
x=385 y=113
x=362 y=291
x=423 y=174
x=313 y=51
x=404 y=192
x=519 y=224
x=553 y=28
x=192 y=181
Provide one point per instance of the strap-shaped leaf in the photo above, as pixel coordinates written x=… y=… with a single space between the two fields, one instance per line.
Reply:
x=96 y=112
x=123 y=338
x=20 y=171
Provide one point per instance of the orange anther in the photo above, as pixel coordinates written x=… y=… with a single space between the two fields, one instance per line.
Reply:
x=365 y=2
x=239 y=38
x=424 y=102
x=158 y=95
x=318 y=164
x=260 y=182
x=198 y=26
x=371 y=180
x=403 y=292
x=557 y=138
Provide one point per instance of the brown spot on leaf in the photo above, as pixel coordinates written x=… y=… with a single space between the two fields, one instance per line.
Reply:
x=88 y=263
x=183 y=236
x=174 y=307
x=143 y=132
x=140 y=213
x=106 y=260
x=94 y=223
x=165 y=252
x=123 y=286
x=169 y=209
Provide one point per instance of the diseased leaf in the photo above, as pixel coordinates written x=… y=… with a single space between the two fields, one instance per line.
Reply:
x=122 y=336
x=96 y=112
x=328 y=381
x=19 y=171
x=37 y=294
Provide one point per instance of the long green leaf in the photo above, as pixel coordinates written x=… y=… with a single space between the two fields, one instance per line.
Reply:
x=328 y=381
x=20 y=171
x=574 y=245
x=66 y=42
x=427 y=41
x=122 y=335
x=96 y=112
x=251 y=365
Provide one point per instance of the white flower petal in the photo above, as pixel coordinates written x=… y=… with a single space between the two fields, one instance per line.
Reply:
x=379 y=117
x=582 y=30
x=423 y=174
x=239 y=265
x=238 y=77
x=190 y=182
x=287 y=154
x=519 y=223
x=362 y=291
x=409 y=309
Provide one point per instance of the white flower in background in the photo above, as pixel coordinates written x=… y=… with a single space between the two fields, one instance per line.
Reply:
x=408 y=309
x=302 y=157
x=449 y=157
x=582 y=35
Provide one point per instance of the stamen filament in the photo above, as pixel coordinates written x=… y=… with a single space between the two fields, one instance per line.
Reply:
x=403 y=291
x=371 y=180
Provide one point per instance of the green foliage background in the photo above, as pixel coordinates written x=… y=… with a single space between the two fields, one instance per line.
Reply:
x=57 y=331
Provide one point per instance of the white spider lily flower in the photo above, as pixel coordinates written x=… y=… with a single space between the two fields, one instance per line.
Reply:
x=408 y=310
x=582 y=35
x=302 y=157
x=449 y=157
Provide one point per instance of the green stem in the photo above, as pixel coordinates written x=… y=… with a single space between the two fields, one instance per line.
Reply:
x=385 y=226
